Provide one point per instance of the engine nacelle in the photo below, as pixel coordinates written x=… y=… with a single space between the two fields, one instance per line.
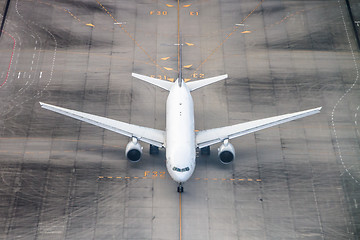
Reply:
x=133 y=150
x=226 y=152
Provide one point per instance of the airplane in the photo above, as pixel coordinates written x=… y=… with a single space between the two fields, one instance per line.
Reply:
x=180 y=139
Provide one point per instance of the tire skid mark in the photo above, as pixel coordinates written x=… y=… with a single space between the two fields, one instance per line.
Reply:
x=343 y=96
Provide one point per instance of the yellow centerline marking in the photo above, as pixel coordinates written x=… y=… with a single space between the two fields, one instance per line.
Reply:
x=180 y=217
x=178 y=26
x=178 y=32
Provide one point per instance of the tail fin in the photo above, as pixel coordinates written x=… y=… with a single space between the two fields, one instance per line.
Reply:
x=157 y=82
x=201 y=83
x=180 y=78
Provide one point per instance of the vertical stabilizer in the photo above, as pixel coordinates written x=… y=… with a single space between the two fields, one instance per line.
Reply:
x=180 y=79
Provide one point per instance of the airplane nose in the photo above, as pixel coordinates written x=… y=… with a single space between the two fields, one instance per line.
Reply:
x=181 y=177
x=180 y=174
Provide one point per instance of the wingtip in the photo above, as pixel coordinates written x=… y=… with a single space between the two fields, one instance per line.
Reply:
x=315 y=110
x=318 y=109
x=43 y=105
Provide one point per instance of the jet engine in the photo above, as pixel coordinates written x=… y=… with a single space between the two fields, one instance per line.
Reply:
x=133 y=150
x=226 y=152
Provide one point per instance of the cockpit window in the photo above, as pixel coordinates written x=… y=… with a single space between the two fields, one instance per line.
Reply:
x=181 y=169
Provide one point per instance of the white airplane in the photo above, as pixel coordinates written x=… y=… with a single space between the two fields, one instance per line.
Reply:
x=180 y=138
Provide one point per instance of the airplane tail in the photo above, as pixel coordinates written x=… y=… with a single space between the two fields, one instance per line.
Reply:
x=180 y=78
x=191 y=85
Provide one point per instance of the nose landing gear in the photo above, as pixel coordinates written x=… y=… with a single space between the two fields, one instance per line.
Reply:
x=180 y=188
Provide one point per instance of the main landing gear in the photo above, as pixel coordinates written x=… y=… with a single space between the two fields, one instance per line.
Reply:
x=154 y=150
x=205 y=151
x=180 y=188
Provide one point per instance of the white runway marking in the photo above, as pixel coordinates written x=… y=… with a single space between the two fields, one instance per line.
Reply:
x=343 y=96
x=38 y=94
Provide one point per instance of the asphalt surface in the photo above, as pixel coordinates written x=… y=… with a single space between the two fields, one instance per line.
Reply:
x=2 y=5
x=62 y=179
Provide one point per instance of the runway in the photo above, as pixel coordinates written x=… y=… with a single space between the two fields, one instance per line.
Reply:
x=63 y=179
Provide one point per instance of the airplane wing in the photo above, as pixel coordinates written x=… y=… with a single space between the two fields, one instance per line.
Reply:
x=148 y=135
x=209 y=137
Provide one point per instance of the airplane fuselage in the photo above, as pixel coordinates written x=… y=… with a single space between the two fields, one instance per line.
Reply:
x=180 y=133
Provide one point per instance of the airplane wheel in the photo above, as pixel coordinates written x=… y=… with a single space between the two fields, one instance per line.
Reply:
x=154 y=150
x=180 y=188
x=205 y=151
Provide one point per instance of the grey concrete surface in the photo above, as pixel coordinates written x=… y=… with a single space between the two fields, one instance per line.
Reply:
x=354 y=14
x=2 y=5
x=62 y=179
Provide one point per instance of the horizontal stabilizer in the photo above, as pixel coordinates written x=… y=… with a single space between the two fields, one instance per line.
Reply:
x=157 y=82
x=201 y=83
